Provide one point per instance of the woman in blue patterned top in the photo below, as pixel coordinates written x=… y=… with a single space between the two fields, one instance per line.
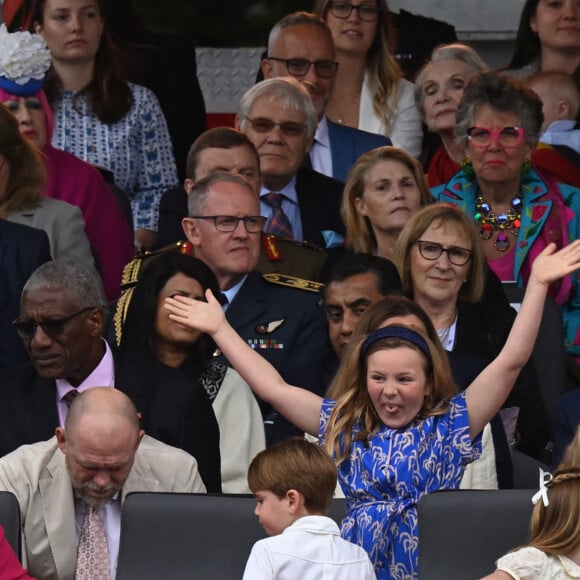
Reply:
x=398 y=429
x=99 y=116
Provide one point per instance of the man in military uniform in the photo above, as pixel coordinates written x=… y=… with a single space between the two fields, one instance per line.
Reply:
x=280 y=316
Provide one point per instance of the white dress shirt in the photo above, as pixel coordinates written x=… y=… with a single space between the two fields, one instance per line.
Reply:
x=321 y=154
x=310 y=549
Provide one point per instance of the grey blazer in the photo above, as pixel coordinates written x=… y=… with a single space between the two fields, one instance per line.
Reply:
x=64 y=225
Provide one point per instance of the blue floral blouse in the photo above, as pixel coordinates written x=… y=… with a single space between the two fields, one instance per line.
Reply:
x=137 y=149
x=384 y=477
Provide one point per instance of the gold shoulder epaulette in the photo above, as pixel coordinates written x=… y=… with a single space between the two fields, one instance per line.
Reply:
x=293 y=282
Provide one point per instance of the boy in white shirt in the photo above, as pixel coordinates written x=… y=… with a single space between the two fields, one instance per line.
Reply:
x=294 y=482
x=560 y=98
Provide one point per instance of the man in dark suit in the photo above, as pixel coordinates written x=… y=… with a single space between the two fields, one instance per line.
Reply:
x=301 y=45
x=279 y=316
x=277 y=115
x=22 y=250
x=60 y=324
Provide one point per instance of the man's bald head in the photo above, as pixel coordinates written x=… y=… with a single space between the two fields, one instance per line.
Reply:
x=104 y=403
x=100 y=439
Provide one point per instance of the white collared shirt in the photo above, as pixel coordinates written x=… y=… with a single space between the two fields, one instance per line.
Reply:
x=321 y=154
x=310 y=549
x=111 y=516
x=289 y=207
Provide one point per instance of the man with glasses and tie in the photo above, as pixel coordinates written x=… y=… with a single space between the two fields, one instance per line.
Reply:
x=60 y=323
x=279 y=316
x=277 y=115
x=70 y=487
x=301 y=45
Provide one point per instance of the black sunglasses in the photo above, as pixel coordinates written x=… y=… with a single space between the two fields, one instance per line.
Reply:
x=52 y=328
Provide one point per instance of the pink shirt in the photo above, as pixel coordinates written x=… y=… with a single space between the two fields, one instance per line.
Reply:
x=103 y=375
x=504 y=266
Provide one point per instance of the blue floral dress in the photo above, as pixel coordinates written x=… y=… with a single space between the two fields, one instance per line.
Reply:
x=384 y=478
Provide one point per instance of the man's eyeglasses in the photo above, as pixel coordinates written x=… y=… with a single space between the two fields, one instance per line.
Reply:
x=298 y=67
x=456 y=255
x=228 y=223
x=508 y=137
x=52 y=327
x=288 y=128
x=367 y=12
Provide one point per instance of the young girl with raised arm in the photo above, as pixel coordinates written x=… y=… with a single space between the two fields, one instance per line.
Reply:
x=398 y=430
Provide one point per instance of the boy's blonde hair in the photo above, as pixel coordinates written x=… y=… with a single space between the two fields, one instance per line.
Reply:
x=295 y=464
x=559 y=86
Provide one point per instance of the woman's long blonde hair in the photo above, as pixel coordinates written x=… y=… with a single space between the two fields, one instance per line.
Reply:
x=359 y=233
x=384 y=72
x=354 y=409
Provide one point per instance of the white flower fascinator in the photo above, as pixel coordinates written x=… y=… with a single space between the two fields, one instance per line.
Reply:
x=24 y=60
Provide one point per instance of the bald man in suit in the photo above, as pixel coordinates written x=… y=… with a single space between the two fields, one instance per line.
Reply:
x=99 y=457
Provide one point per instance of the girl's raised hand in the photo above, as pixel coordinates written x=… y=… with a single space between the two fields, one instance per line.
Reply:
x=551 y=265
x=205 y=316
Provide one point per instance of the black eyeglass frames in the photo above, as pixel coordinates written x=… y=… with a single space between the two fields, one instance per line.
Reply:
x=298 y=67
x=432 y=251
x=228 y=223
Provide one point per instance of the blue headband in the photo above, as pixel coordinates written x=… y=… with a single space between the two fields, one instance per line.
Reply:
x=401 y=332
x=28 y=89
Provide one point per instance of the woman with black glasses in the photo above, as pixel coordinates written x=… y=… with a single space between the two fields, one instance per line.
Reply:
x=442 y=268
x=370 y=92
x=516 y=209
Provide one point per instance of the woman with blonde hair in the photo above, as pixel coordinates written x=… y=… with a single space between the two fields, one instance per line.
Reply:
x=370 y=92
x=383 y=190
x=442 y=268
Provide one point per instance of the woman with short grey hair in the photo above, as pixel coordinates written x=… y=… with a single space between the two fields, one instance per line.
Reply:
x=517 y=210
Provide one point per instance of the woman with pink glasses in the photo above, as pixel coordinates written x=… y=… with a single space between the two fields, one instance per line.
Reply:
x=517 y=210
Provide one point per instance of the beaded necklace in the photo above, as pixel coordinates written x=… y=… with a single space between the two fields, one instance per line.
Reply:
x=504 y=222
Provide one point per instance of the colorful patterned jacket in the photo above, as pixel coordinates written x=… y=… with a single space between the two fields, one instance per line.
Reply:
x=550 y=213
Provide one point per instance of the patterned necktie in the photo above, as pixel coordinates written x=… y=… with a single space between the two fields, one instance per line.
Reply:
x=70 y=396
x=93 y=550
x=279 y=222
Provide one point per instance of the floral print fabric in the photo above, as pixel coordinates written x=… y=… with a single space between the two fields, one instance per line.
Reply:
x=384 y=477
x=137 y=149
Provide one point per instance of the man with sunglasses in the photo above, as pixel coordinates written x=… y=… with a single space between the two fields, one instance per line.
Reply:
x=60 y=323
x=301 y=45
x=279 y=316
x=277 y=115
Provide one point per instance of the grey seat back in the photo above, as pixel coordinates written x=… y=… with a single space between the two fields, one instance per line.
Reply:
x=462 y=533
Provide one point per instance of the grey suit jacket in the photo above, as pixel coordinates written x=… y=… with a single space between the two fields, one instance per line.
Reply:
x=64 y=226
x=37 y=475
